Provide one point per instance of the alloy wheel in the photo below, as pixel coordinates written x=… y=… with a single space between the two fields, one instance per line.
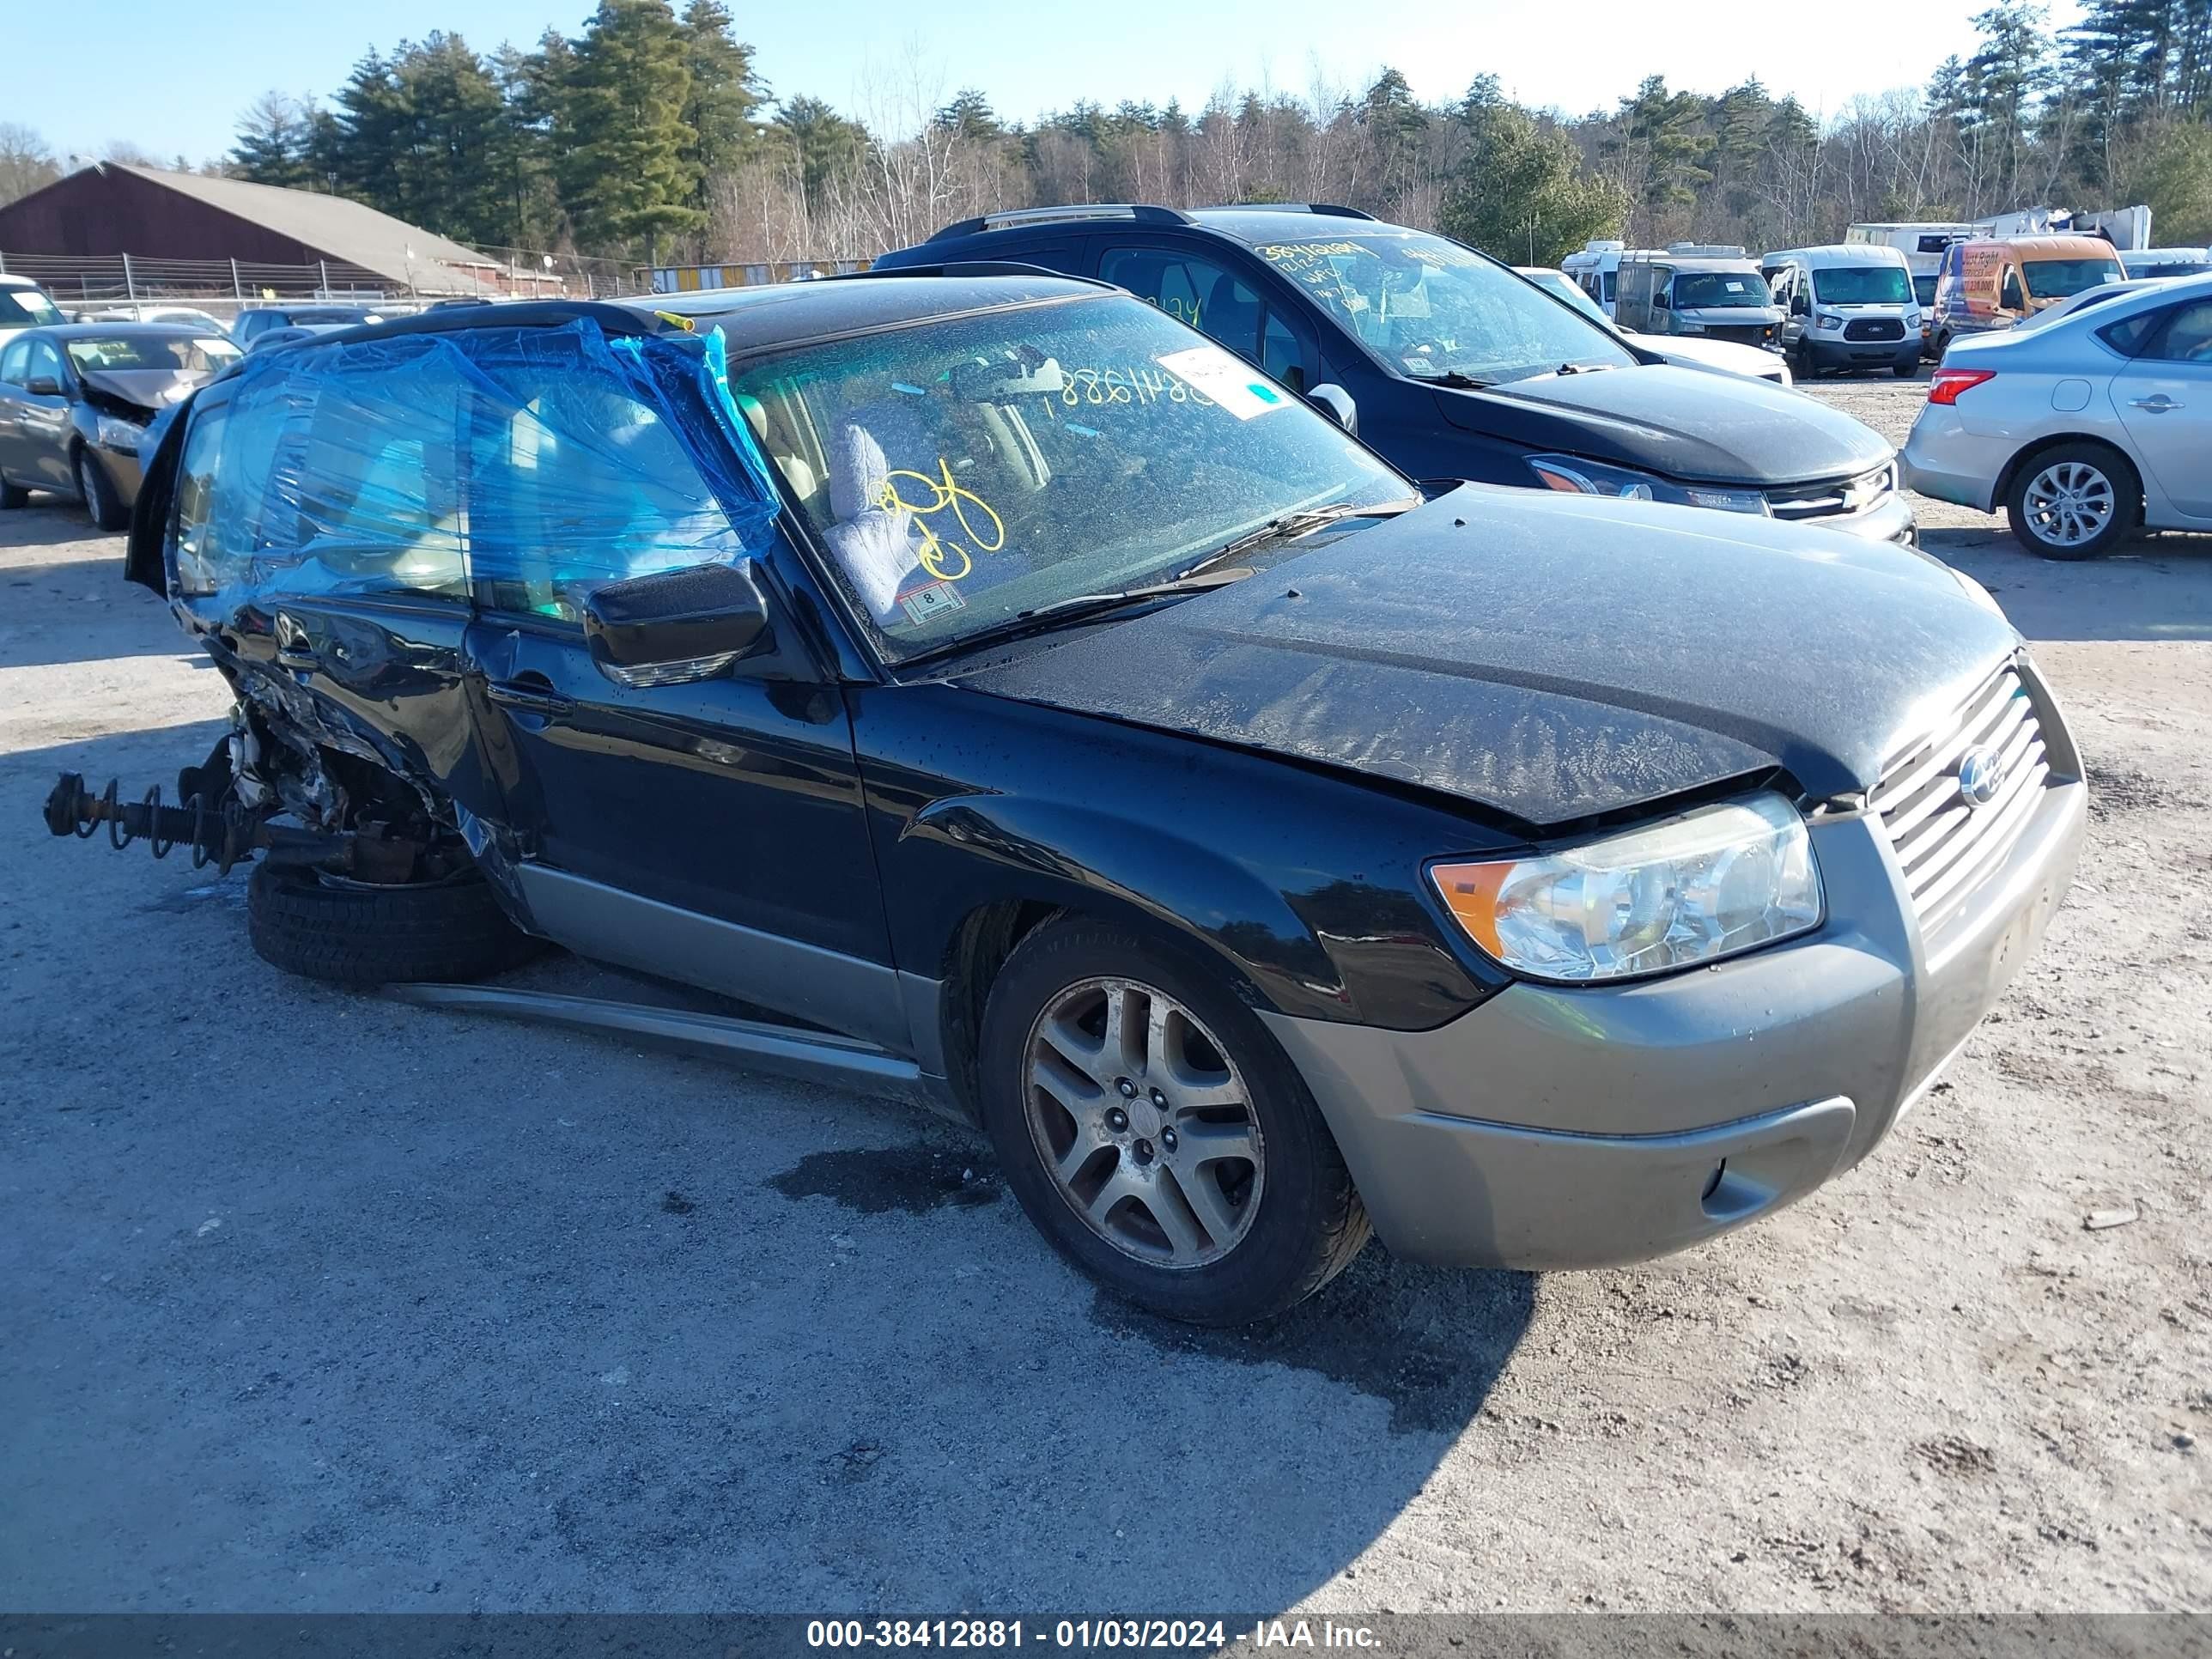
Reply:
x=1144 y=1121
x=2070 y=503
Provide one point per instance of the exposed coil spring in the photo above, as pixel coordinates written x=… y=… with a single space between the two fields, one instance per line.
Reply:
x=218 y=834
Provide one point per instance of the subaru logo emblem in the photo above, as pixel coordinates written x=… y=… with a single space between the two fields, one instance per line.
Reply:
x=1980 y=774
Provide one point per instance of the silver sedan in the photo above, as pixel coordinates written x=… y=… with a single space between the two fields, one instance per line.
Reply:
x=2085 y=425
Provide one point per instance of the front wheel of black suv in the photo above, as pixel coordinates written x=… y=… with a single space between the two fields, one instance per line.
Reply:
x=353 y=932
x=1154 y=1132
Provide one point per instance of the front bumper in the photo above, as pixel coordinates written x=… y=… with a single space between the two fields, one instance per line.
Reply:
x=1583 y=1128
x=1889 y=519
x=123 y=471
x=1863 y=354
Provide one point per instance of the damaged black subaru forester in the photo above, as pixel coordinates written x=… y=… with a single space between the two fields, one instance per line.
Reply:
x=980 y=686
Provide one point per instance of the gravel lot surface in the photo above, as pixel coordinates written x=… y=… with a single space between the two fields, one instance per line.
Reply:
x=312 y=1301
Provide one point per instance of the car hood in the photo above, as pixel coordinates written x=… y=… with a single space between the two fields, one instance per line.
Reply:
x=1754 y=360
x=151 y=389
x=1547 y=658
x=1680 y=422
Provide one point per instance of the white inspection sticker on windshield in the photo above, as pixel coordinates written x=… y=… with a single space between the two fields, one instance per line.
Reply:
x=1234 y=385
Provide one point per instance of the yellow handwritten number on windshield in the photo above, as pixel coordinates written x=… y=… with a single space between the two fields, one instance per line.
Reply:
x=947 y=561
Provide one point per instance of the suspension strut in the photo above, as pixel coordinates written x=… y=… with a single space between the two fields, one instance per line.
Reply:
x=219 y=833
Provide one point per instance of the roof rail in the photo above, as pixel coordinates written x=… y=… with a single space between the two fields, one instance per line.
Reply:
x=1138 y=212
x=965 y=268
x=1329 y=208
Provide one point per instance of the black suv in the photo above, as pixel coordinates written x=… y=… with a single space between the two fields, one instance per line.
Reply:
x=986 y=689
x=1454 y=366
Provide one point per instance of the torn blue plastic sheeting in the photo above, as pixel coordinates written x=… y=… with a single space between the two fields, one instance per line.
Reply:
x=507 y=466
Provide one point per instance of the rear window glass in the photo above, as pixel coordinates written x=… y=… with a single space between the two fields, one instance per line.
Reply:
x=27 y=307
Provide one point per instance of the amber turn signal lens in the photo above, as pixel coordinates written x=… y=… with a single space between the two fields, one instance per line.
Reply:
x=1470 y=893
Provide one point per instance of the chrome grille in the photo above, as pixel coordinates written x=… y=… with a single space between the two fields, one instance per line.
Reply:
x=1833 y=497
x=1945 y=847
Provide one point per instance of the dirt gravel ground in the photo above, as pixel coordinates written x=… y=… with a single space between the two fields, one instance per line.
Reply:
x=313 y=1301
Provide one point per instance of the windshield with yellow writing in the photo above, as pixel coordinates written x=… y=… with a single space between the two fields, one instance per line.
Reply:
x=962 y=473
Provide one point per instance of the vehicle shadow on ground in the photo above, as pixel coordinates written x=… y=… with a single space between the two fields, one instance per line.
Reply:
x=585 y=1328
x=82 y=611
x=49 y=521
x=2151 y=588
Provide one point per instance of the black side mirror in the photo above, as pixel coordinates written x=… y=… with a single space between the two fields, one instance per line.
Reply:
x=1801 y=307
x=42 y=385
x=1660 y=301
x=676 y=625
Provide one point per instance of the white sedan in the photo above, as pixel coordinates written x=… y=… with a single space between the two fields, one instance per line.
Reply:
x=2083 y=427
x=1685 y=350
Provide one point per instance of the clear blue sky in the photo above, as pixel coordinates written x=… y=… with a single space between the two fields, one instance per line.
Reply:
x=183 y=72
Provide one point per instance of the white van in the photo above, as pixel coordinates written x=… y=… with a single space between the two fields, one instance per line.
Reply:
x=1847 y=305
x=1595 y=269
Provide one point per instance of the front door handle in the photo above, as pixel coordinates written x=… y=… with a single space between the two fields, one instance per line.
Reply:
x=531 y=697
x=2157 y=404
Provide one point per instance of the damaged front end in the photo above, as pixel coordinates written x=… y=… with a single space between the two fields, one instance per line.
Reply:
x=354 y=821
x=335 y=523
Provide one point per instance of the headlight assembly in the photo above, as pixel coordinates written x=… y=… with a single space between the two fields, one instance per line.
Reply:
x=1827 y=320
x=1575 y=476
x=1704 y=884
x=115 y=433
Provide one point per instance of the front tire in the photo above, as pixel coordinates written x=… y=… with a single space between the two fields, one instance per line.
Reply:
x=2074 y=501
x=360 y=933
x=1156 y=1134
x=13 y=496
x=100 y=499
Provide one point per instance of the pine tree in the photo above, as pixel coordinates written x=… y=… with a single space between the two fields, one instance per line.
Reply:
x=825 y=144
x=1661 y=146
x=273 y=138
x=627 y=178
x=1521 y=194
x=969 y=114
x=725 y=94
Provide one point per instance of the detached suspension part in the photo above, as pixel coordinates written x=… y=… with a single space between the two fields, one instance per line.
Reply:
x=219 y=834
x=223 y=832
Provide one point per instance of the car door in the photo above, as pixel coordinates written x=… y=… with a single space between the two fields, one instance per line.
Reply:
x=319 y=538
x=1789 y=284
x=2164 y=397
x=41 y=436
x=709 y=828
x=15 y=369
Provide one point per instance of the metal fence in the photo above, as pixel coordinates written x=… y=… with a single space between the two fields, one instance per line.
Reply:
x=506 y=273
x=228 y=285
x=689 y=279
